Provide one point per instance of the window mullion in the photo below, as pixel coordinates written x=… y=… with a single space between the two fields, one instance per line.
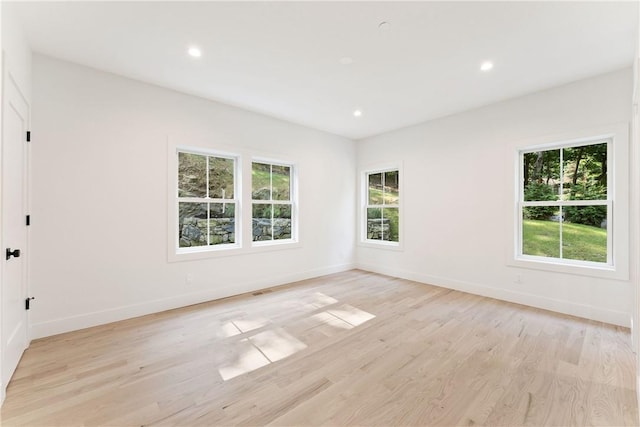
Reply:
x=561 y=198
x=207 y=177
x=382 y=180
x=382 y=213
x=270 y=182
x=561 y=221
x=561 y=188
x=271 y=199
x=208 y=204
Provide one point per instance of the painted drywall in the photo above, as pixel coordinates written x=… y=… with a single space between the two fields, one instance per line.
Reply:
x=100 y=203
x=17 y=54
x=458 y=186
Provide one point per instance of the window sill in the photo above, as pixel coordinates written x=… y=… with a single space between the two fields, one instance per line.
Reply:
x=231 y=250
x=580 y=268
x=189 y=254
x=270 y=245
x=390 y=246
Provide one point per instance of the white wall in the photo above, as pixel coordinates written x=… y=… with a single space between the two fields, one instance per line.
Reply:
x=99 y=215
x=458 y=193
x=17 y=54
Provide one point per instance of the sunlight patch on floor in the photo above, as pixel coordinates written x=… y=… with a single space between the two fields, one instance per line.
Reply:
x=240 y=326
x=248 y=359
x=260 y=350
x=331 y=320
x=269 y=346
x=351 y=314
x=320 y=300
x=277 y=344
x=227 y=329
x=246 y=325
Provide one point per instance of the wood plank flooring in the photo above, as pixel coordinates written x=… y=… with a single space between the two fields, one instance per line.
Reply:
x=353 y=348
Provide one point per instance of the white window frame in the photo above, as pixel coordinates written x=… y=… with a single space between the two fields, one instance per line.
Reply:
x=293 y=201
x=175 y=251
x=564 y=203
x=364 y=204
x=617 y=265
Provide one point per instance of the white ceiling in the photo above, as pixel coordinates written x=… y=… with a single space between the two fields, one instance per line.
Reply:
x=283 y=58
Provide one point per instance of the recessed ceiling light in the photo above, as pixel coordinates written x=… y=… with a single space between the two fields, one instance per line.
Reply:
x=486 y=66
x=346 y=60
x=357 y=113
x=195 y=52
x=384 y=25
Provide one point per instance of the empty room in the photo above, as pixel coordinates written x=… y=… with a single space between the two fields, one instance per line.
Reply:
x=319 y=213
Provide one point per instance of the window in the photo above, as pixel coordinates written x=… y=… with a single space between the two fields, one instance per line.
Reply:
x=273 y=209
x=382 y=206
x=212 y=213
x=565 y=207
x=207 y=201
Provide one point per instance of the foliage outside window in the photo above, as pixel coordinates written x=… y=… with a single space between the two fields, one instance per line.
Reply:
x=272 y=202
x=206 y=200
x=564 y=206
x=382 y=206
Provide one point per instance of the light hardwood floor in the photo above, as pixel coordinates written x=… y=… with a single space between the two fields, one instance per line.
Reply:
x=353 y=348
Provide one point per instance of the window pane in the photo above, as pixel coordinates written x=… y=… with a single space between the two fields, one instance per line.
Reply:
x=391 y=189
x=541 y=231
x=192 y=175
x=390 y=224
x=222 y=228
x=281 y=222
x=375 y=228
x=585 y=172
x=260 y=181
x=262 y=229
x=192 y=224
x=541 y=173
x=375 y=189
x=220 y=178
x=584 y=233
x=281 y=176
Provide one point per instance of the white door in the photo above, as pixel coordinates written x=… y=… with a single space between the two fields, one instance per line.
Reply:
x=14 y=229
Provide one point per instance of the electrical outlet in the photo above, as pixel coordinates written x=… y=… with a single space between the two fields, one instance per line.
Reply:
x=188 y=280
x=518 y=280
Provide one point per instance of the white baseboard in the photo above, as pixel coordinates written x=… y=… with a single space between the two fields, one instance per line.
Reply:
x=87 y=320
x=579 y=310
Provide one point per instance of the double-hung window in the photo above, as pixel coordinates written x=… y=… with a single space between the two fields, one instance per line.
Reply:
x=382 y=206
x=207 y=201
x=272 y=202
x=565 y=208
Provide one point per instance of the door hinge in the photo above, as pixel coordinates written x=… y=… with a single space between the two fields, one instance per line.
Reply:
x=28 y=136
x=28 y=220
x=27 y=303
